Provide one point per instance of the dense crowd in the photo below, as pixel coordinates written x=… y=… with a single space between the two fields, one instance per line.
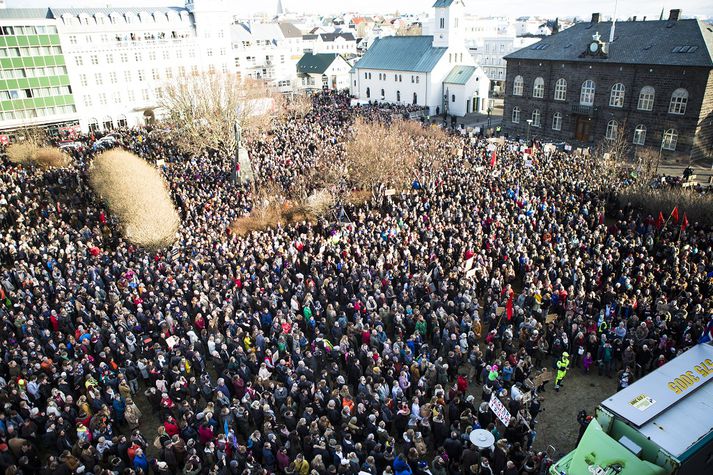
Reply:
x=366 y=347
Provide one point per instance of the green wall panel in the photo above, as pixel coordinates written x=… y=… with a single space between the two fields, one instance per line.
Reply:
x=23 y=41
x=11 y=40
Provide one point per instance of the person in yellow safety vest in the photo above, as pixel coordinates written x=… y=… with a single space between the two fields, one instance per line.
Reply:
x=562 y=366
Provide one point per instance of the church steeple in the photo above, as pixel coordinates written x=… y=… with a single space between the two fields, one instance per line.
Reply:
x=449 y=23
x=280 y=8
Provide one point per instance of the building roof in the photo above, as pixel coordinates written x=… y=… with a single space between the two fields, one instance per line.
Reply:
x=315 y=63
x=58 y=12
x=24 y=13
x=652 y=406
x=289 y=30
x=443 y=3
x=460 y=74
x=635 y=42
x=329 y=37
x=402 y=53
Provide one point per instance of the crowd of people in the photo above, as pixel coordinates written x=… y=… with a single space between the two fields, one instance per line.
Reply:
x=368 y=346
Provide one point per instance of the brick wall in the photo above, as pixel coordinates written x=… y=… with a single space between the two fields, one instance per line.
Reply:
x=698 y=82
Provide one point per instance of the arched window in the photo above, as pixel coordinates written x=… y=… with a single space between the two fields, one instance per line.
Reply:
x=368 y=93
x=536 y=118
x=612 y=130
x=646 y=98
x=382 y=95
x=538 y=89
x=516 y=115
x=561 y=89
x=517 y=86
x=670 y=139
x=586 y=95
x=557 y=121
x=616 y=98
x=640 y=134
x=107 y=123
x=415 y=98
x=453 y=97
x=93 y=125
x=398 y=96
x=679 y=99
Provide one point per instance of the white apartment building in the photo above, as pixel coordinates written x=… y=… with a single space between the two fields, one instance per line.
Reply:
x=118 y=59
x=268 y=51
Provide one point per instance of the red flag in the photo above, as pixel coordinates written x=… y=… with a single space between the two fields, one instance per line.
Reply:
x=660 y=221
x=684 y=223
x=493 y=158
x=508 y=308
x=674 y=214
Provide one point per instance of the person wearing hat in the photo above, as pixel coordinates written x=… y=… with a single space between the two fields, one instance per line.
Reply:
x=562 y=366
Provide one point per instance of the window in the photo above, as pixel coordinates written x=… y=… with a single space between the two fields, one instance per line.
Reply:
x=561 y=89
x=382 y=95
x=99 y=79
x=141 y=74
x=368 y=93
x=124 y=57
x=366 y=75
x=127 y=76
x=538 y=89
x=398 y=96
x=679 y=99
x=442 y=23
x=79 y=60
x=453 y=97
x=646 y=98
x=517 y=86
x=670 y=139
x=557 y=121
x=137 y=56
x=640 y=134
x=616 y=98
x=73 y=39
x=612 y=130
x=515 y=115
x=152 y=55
x=109 y=58
x=94 y=59
x=102 y=98
x=536 y=118
x=93 y=125
x=415 y=98
x=154 y=74
x=88 y=101
x=83 y=79
x=112 y=77
x=417 y=79
x=586 y=95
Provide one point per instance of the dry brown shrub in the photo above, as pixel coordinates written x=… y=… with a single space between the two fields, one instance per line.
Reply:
x=22 y=153
x=698 y=207
x=136 y=193
x=48 y=157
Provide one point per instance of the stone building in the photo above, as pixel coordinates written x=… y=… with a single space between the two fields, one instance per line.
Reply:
x=651 y=81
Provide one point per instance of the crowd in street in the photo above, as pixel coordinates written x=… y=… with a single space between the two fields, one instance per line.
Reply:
x=370 y=346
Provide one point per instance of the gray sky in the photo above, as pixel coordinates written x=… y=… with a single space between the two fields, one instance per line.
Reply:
x=549 y=8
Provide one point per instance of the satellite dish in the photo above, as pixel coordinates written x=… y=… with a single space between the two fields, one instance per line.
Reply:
x=482 y=438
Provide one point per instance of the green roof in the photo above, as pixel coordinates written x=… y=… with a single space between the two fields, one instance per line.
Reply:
x=402 y=53
x=459 y=75
x=442 y=3
x=315 y=63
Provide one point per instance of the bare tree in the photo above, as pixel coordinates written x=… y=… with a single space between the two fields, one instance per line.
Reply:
x=203 y=108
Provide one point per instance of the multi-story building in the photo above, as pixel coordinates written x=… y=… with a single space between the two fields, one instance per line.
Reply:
x=490 y=54
x=650 y=82
x=105 y=67
x=35 y=86
x=119 y=59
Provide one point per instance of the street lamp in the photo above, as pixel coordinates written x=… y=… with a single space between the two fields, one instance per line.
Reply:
x=490 y=110
x=236 y=157
x=529 y=123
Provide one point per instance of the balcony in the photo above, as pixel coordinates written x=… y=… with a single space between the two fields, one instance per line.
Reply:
x=579 y=109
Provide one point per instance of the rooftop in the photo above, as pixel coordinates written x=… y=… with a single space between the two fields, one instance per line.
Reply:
x=315 y=63
x=402 y=53
x=657 y=409
x=660 y=42
x=460 y=74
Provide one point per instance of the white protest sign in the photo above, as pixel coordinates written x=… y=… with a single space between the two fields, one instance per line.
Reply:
x=500 y=411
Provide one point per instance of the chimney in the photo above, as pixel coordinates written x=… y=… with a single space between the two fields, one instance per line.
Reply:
x=674 y=14
x=634 y=18
x=595 y=17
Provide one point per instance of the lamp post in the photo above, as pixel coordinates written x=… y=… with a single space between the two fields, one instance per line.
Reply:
x=529 y=123
x=236 y=157
x=490 y=110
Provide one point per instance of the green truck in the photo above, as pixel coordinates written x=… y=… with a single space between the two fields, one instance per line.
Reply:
x=662 y=424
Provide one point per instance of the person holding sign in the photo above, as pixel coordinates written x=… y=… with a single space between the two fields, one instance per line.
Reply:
x=562 y=366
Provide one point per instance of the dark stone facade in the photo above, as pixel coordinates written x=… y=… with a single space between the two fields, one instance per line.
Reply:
x=588 y=125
